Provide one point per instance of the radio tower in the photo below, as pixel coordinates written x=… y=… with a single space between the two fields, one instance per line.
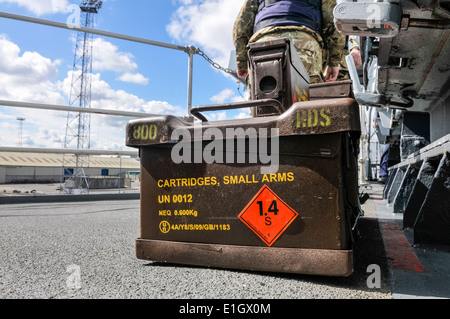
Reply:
x=78 y=123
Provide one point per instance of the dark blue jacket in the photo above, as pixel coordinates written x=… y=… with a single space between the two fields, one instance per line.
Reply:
x=289 y=12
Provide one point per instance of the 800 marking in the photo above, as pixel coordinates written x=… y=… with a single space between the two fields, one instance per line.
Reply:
x=145 y=132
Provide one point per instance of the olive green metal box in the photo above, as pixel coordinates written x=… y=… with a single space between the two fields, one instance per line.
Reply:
x=292 y=213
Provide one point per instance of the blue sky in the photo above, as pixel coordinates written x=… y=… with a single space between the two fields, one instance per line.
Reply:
x=37 y=60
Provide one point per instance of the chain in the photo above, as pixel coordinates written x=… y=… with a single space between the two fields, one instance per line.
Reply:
x=219 y=67
x=214 y=64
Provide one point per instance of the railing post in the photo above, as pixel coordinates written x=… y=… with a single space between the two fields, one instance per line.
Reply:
x=190 y=50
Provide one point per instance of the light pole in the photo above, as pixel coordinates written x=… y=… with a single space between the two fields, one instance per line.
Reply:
x=20 y=119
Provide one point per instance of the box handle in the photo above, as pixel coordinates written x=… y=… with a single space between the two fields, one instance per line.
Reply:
x=195 y=111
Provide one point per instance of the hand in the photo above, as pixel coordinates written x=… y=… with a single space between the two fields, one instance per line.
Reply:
x=332 y=73
x=242 y=73
x=356 y=54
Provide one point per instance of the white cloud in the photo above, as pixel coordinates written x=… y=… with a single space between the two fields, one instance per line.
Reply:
x=223 y=96
x=217 y=116
x=31 y=77
x=103 y=96
x=46 y=137
x=40 y=128
x=243 y=115
x=107 y=57
x=133 y=78
x=43 y=128
x=27 y=77
x=208 y=24
x=108 y=132
x=41 y=7
x=227 y=96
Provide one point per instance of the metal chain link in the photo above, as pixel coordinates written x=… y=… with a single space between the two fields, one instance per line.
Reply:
x=214 y=64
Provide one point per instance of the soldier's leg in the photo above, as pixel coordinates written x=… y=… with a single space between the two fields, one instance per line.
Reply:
x=310 y=52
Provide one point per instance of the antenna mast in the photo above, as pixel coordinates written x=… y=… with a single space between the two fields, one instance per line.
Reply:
x=78 y=123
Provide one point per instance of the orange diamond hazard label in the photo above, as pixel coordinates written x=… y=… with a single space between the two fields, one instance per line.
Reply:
x=267 y=215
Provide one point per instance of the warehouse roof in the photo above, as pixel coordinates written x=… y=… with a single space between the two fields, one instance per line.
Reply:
x=55 y=160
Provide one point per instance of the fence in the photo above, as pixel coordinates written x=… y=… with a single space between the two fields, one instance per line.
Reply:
x=189 y=50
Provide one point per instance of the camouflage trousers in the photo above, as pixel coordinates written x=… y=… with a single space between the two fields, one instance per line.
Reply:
x=307 y=46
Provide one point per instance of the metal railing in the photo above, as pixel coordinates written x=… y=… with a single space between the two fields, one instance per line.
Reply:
x=66 y=108
x=189 y=49
x=19 y=149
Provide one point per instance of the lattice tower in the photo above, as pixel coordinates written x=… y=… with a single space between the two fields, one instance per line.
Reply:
x=77 y=134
